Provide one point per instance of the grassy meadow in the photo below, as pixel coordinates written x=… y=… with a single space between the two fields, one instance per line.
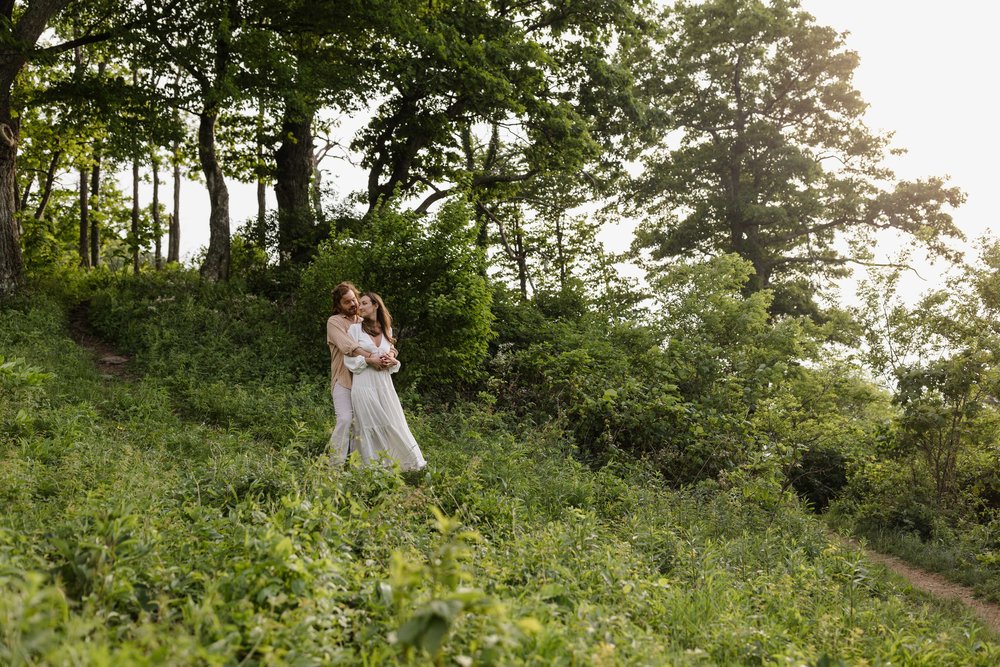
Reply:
x=186 y=515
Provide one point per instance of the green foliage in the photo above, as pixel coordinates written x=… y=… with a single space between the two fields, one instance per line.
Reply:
x=757 y=98
x=821 y=475
x=187 y=328
x=932 y=476
x=131 y=534
x=14 y=373
x=430 y=274
x=23 y=382
x=942 y=404
x=219 y=354
x=883 y=496
x=687 y=392
x=448 y=81
x=824 y=417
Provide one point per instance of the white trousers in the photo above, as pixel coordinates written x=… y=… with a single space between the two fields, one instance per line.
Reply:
x=344 y=439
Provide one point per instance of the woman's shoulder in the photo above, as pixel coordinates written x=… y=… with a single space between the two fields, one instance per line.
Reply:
x=354 y=328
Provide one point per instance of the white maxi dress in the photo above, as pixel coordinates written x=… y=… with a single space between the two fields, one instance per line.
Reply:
x=381 y=424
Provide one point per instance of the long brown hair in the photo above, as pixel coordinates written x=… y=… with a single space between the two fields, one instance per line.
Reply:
x=382 y=315
x=338 y=294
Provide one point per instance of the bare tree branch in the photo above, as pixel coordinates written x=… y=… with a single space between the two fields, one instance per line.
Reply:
x=813 y=259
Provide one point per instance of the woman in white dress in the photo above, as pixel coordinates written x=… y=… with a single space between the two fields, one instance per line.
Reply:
x=379 y=416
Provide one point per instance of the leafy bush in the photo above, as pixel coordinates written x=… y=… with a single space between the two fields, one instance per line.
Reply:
x=430 y=273
x=680 y=391
x=822 y=474
x=184 y=327
x=979 y=481
x=883 y=496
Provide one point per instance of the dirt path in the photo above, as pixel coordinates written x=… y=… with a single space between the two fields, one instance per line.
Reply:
x=110 y=364
x=934 y=584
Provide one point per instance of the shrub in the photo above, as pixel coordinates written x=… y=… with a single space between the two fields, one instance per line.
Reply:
x=883 y=496
x=680 y=392
x=183 y=327
x=821 y=475
x=430 y=273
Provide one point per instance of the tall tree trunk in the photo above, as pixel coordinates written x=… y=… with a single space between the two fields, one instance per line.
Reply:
x=95 y=202
x=217 y=259
x=261 y=232
x=95 y=189
x=84 y=247
x=316 y=191
x=21 y=38
x=482 y=223
x=560 y=254
x=522 y=265
x=11 y=261
x=23 y=203
x=216 y=265
x=135 y=215
x=50 y=179
x=293 y=171
x=157 y=230
x=174 y=237
x=135 y=193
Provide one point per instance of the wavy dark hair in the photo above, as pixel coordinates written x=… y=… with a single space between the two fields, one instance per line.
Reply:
x=382 y=315
x=338 y=294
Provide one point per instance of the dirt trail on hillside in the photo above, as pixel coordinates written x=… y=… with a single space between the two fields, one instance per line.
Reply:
x=934 y=584
x=109 y=362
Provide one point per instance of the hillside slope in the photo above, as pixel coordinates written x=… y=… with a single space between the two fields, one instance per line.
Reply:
x=186 y=517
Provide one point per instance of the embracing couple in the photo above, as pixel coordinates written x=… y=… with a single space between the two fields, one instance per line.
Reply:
x=362 y=359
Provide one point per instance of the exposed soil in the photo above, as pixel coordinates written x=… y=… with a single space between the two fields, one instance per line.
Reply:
x=934 y=584
x=109 y=362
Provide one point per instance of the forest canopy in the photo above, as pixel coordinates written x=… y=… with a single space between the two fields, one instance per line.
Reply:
x=741 y=115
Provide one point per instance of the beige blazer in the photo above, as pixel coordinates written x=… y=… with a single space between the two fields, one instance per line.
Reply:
x=340 y=345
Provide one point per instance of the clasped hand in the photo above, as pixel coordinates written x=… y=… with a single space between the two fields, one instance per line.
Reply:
x=381 y=362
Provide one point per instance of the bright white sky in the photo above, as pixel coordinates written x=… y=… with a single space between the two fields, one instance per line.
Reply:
x=928 y=70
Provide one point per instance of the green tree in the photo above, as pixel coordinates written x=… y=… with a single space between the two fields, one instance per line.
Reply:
x=328 y=58
x=61 y=120
x=942 y=402
x=19 y=34
x=941 y=356
x=22 y=25
x=481 y=97
x=764 y=151
x=545 y=238
x=79 y=115
x=202 y=40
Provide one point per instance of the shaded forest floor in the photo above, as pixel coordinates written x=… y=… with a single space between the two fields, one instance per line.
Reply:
x=110 y=363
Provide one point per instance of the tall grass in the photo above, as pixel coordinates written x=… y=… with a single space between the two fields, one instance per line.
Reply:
x=188 y=516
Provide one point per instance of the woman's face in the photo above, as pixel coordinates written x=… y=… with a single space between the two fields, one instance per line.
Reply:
x=366 y=308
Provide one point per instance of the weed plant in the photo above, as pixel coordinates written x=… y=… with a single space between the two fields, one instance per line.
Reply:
x=187 y=515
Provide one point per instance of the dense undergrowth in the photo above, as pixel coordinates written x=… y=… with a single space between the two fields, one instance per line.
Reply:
x=187 y=515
